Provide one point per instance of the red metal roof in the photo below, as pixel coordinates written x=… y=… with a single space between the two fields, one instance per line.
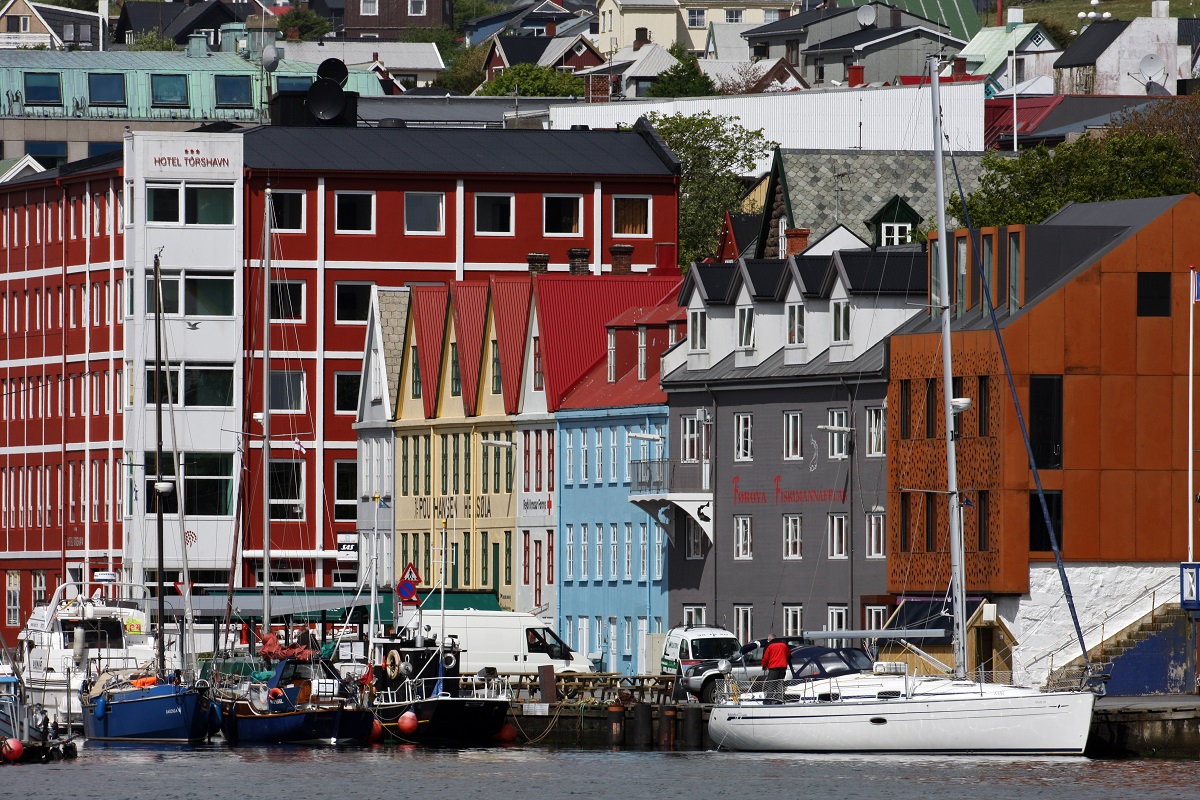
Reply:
x=429 y=324
x=572 y=314
x=998 y=116
x=594 y=390
x=510 y=309
x=469 y=304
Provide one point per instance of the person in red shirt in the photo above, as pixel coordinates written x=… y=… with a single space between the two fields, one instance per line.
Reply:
x=775 y=663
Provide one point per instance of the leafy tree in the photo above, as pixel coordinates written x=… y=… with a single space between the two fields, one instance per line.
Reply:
x=534 y=81
x=446 y=39
x=464 y=69
x=153 y=40
x=714 y=152
x=1177 y=117
x=1036 y=183
x=310 y=24
x=683 y=80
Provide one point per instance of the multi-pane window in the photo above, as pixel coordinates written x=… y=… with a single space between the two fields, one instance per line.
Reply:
x=658 y=552
x=697 y=331
x=793 y=619
x=612 y=552
x=793 y=540
x=743 y=437
x=838 y=619
x=696 y=18
x=643 y=555
x=875 y=617
x=198 y=293
x=895 y=233
x=599 y=455
x=693 y=615
x=733 y=16
x=584 y=556
x=286 y=490
x=455 y=375
x=876 y=431
x=204 y=385
x=689 y=439
x=497 y=381
x=743 y=622
x=841 y=321
x=12 y=598
x=416 y=374
x=612 y=356
x=743 y=544
x=795 y=324
x=839 y=435
x=538 y=379
x=793 y=435
x=345 y=482
x=837 y=536
x=746 y=328
x=570 y=566
x=693 y=541
x=876 y=536
x=599 y=551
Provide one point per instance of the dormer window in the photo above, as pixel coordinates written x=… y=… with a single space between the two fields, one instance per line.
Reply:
x=795 y=324
x=841 y=321
x=612 y=356
x=746 y=328
x=641 y=353
x=895 y=233
x=697 y=331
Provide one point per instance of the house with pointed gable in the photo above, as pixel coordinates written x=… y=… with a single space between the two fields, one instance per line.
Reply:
x=773 y=493
x=27 y=24
x=562 y=53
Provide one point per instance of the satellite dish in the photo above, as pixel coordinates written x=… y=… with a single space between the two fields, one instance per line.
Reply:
x=326 y=100
x=1151 y=67
x=270 y=58
x=333 y=69
x=865 y=16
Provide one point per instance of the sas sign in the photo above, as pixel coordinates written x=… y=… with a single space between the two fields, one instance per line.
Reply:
x=347 y=547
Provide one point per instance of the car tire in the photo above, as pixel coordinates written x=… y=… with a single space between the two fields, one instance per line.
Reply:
x=708 y=691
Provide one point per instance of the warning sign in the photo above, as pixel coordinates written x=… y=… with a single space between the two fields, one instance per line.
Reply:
x=410 y=574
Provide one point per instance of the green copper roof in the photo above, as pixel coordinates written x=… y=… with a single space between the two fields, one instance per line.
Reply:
x=987 y=51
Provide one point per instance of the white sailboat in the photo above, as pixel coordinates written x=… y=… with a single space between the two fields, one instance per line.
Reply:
x=887 y=709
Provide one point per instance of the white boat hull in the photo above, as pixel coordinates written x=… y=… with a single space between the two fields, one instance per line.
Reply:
x=1016 y=721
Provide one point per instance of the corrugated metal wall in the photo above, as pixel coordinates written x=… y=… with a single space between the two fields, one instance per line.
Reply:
x=889 y=118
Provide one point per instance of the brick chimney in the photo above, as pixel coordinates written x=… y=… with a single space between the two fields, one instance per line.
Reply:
x=552 y=29
x=856 y=75
x=958 y=68
x=796 y=240
x=578 y=257
x=293 y=34
x=598 y=88
x=784 y=13
x=641 y=36
x=622 y=259
x=538 y=262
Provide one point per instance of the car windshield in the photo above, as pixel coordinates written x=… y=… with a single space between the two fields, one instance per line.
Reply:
x=714 y=648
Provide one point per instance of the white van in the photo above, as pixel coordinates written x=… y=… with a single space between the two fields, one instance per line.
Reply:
x=506 y=640
x=688 y=645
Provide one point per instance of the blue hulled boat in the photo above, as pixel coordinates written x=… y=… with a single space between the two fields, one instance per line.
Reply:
x=119 y=708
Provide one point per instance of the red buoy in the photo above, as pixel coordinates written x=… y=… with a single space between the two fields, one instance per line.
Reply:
x=12 y=749
x=376 y=734
x=407 y=723
x=506 y=735
x=276 y=693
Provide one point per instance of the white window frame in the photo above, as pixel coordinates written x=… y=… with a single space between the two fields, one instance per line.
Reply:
x=793 y=619
x=793 y=436
x=643 y=553
x=837 y=619
x=875 y=617
x=697 y=18
x=512 y=214
x=413 y=6
x=795 y=325
x=613 y=556
x=374 y=214
x=369 y=8
x=745 y=328
x=584 y=556
x=658 y=551
x=876 y=431
x=649 y=216
x=743 y=622
x=743 y=437
x=303 y=211
x=578 y=198
x=896 y=233
x=841 y=321
x=612 y=356
x=302 y=395
x=743 y=538
x=569 y=447
x=839 y=442
x=694 y=615
x=441 y=230
x=569 y=572
x=734 y=16
x=689 y=439
x=876 y=535
x=697 y=331
x=793 y=537
x=599 y=551
x=641 y=353
x=302 y=311
x=838 y=530
x=628 y=551
x=693 y=541
x=337 y=287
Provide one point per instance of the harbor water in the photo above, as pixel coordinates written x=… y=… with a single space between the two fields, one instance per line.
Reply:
x=216 y=771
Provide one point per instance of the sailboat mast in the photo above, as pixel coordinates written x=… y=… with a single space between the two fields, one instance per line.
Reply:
x=158 y=457
x=957 y=565
x=266 y=414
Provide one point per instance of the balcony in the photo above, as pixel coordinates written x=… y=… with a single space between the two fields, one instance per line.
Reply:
x=662 y=476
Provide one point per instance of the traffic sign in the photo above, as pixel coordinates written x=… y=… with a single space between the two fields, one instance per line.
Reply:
x=407 y=590
x=410 y=574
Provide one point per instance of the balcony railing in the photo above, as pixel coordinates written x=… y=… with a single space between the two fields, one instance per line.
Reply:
x=663 y=475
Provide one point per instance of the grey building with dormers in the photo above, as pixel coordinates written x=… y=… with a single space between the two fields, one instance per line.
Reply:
x=773 y=492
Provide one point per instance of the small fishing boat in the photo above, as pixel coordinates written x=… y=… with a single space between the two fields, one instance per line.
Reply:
x=26 y=733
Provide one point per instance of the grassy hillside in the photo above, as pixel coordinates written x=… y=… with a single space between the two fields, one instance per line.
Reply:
x=1063 y=12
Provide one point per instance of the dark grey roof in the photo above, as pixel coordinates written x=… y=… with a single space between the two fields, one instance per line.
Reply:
x=423 y=106
x=868 y=35
x=141 y=15
x=797 y=22
x=812 y=271
x=205 y=14
x=868 y=366
x=101 y=163
x=1094 y=40
x=766 y=277
x=886 y=270
x=744 y=229
x=455 y=151
x=1189 y=32
x=523 y=49
x=714 y=279
x=58 y=18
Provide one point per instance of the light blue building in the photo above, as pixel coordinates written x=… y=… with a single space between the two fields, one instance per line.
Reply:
x=613 y=558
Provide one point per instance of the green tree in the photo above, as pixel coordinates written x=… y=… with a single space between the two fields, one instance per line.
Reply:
x=464 y=69
x=533 y=81
x=683 y=80
x=152 y=40
x=446 y=39
x=311 y=25
x=1176 y=117
x=467 y=10
x=1037 y=182
x=714 y=151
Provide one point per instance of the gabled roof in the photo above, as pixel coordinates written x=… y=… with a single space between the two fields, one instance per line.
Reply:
x=809 y=273
x=572 y=313
x=208 y=14
x=712 y=280
x=12 y=168
x=959 y=16
x=429 y=324
x=521 y=49
x=1092 y=43
x=797 y=22
x=468 y=301
x=648 y=61
x=396 y=56
x=860 y=39
x=510 y=310
x=560 y=46
x=886 y=270
x=765 y=278
x=868 y=366
x=393 y=325
x=724 y=40
x=57 y=18
x=744 y=228
x=140 y=16
x=988 y=50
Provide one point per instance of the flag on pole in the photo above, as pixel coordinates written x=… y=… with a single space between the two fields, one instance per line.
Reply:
x=298 y=447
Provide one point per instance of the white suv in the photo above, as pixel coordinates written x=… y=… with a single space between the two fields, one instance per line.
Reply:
x=688 y=645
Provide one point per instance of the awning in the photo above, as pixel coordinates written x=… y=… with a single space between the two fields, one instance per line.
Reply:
x=337 y=605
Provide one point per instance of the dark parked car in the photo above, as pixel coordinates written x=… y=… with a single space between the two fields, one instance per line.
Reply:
x=701 y=679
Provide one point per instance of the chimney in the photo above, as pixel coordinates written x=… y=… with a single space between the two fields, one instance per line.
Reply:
x=855 y=75
x=374 y=56
x=665 y=260
x=597 y=89
x=622 y=259
x=578 y=257
x=1016 y=16
x=293 y=34
x=641 y=36
x=538 y=262
x=784 y=13
x=897 y=18
x=1160 y=9
x=197 y=45
x=552 y=29
x=796 y=240
x=958 y=68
